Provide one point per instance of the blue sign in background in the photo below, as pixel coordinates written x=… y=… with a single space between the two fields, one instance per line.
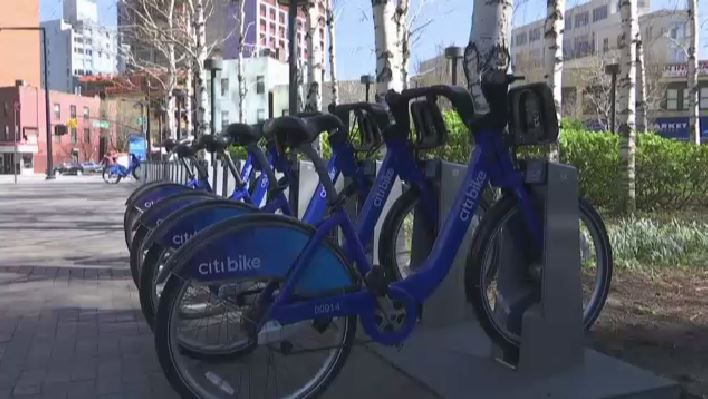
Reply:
x=136 y=146
x=677 y=127
x=669 y=127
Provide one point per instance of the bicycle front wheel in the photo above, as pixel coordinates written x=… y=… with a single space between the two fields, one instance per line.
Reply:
x=292 y=361
x=483 y=263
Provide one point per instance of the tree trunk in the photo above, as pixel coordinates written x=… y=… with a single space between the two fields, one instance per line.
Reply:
x=388 y=73
x=204 y=116
x=488 y=47
x=693 y=112
x=190 y=101
x=641 y=88
x=403 y=36
x=554 y=60
x=239 y=59
x=626 y=103
x=313 y=100
x=332 y=51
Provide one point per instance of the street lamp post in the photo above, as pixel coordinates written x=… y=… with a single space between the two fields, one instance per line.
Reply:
x=50 y=161
x=367 y=80
x=293 y=51
x=213 y=64
x=17 y=130
x=454 y=54
x=613 y=70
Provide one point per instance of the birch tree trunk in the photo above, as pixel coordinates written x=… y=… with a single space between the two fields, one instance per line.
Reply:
x=239 y=58
x=331 y=50
x=313 y=100
x=199 y=72
x=388 y=72
x=554 y=60
x=692 y=73
x=641 y=88
x=626 y=103
x=190 y=100
x=403 y=35
x=488 y=48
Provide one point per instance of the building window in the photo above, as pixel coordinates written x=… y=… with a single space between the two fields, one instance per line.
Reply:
x=535 y=35
x=73 y=135
x=86 y=112
x=260 y=85
x=261 y=115
x=686 y=99
x=704 y=97
x=599 y=13
x=568 y=22
x=605 y=45
x=224 y=120
x=581 y=19
x=671 y=99
x=87 y=135
x=72 y=111
x=57 y=111
x=521 y=39
x=6 y=135
x=224 y=87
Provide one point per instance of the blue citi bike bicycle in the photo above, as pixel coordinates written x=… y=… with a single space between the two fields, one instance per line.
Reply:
x=112 y=174
x=350 y=159
x=294 y=310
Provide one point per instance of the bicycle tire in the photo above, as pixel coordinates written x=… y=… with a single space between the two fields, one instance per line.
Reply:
x=392 y=226
x=476 y=274
x=168 y=363
x=136 y=254
x=146 y=288
x=105 y=179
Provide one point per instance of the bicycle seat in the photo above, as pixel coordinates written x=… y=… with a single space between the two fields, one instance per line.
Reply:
x=214 y=143
x=243 y=135
x=292 y=131
x=184 y=150
x=169 y=144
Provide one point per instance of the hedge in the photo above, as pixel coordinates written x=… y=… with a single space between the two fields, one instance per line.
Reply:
x=670 y=174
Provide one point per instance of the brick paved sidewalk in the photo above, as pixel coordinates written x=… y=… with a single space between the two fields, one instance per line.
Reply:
x=70 y=323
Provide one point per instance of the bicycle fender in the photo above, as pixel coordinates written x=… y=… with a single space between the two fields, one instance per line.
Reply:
x=158 y=212
x=263 y=246
x=142 y=189
x=178 y=229
x=154 y=194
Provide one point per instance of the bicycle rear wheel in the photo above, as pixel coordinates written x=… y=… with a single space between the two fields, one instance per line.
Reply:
x=109 y=175
x=293 y=361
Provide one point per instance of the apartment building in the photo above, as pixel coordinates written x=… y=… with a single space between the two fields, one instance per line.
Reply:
x=78 y=46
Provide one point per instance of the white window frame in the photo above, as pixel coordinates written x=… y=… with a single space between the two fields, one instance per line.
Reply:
x=672 y=98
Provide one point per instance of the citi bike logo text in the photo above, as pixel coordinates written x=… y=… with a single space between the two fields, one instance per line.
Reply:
x=380 y=194
x=241 y=263
x=180 y=239
x=148 y=204
x=471 y=195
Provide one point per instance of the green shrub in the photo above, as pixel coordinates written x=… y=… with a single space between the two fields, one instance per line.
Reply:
x=646 y=242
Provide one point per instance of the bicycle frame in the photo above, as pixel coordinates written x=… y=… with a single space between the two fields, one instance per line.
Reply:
x=490 y=162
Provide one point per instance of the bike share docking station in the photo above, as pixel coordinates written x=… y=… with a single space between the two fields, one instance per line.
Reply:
x=451 y=355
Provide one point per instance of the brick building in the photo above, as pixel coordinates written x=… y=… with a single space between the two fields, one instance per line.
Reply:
x=22 y=46
x=23 y=124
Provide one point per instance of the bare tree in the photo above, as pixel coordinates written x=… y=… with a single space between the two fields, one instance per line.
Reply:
x=388 y=71
x=693 y=119
x=488 y=48
x=554 y=59
x=240 y=38
x=331 y=49
x=153 y=33
x=626 y=43
x=313 y=100
x=641 y=103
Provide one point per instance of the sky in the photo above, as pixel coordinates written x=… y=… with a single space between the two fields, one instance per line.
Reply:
x=448 y=23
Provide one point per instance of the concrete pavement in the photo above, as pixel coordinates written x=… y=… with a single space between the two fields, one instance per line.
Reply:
x=70 y=324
